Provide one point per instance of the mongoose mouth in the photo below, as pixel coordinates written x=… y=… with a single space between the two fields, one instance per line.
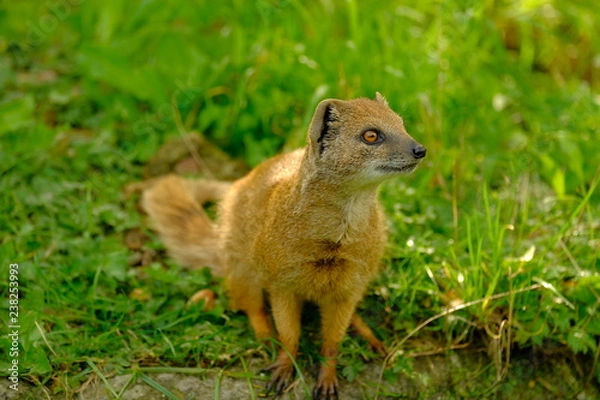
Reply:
x=398 y=169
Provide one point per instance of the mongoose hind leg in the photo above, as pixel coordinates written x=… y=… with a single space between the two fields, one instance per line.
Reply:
x=250 y=299
x=363 y=330
x=259 y=320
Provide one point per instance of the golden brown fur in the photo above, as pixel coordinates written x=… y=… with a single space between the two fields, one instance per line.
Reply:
x=303 y=226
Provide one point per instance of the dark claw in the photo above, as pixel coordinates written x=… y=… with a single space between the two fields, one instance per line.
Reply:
x=326 y=387
x=275 y=387
x=280 y=378
x=379 y=348
x=324 y=393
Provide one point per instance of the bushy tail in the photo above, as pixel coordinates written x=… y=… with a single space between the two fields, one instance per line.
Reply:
x=175 y=208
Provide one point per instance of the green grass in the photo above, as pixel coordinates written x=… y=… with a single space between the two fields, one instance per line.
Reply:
x=501 y=222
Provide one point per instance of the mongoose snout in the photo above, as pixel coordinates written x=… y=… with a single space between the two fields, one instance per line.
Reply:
x=418 y=150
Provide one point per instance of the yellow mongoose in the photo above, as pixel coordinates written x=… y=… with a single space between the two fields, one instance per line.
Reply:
x=303 y=226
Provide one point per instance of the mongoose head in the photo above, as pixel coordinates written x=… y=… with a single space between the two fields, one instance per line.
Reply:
x=361 y=141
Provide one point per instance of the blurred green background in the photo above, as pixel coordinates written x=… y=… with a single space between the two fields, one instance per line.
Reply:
x=504 y=94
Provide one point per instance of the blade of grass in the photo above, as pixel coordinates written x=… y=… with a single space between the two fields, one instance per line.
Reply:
x=551 y=288
x=218 y=384
x=174 y=370
x=250 y=387
x=157 y=386
x=131 y=379
x=102 y=377
x=43 y=334
x=168 y=342
x=579 y=207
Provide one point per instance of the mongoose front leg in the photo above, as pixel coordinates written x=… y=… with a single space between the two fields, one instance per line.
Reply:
x=287 y=310
x=335 y=318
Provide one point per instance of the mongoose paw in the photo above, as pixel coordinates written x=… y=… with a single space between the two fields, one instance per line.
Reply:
x=205 y=295
x=281 y=376
x=326 y=387
x=378 y=347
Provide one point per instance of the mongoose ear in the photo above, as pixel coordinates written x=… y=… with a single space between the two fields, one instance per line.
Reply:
x=379 y=98
x=321 y=128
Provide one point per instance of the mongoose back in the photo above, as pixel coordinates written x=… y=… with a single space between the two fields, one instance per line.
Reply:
x=302 y=226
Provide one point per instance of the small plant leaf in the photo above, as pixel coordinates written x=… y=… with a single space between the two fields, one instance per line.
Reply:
x=580 y=341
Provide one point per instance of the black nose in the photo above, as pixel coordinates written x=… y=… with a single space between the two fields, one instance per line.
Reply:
x=419 y=151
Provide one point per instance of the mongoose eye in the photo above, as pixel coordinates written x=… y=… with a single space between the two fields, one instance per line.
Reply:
x=371 y=137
